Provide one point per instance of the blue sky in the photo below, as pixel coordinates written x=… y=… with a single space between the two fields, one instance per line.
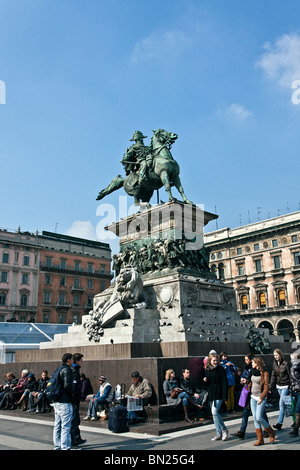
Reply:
x=81 y=76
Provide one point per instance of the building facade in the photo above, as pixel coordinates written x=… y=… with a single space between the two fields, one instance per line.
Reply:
x=50 y=278
x=262 y=262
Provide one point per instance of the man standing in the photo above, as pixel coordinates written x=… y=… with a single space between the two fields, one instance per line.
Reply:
x=63 y=408
x=75 y=431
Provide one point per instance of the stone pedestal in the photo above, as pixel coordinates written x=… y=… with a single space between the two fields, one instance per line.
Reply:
x=183 y=302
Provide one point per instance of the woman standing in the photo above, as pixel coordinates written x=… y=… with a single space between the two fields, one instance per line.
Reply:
x=281 y=379
x=294 y=389
x=215 y=377
x=259 y=385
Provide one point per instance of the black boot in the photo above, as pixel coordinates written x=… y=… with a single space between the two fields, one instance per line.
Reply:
x=240 y=434
x=277 y=426
x=294 y=432
x=186 y=415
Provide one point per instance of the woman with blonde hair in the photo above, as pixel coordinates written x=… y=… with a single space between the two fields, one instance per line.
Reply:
x=259 y=386
x=175 y=395
x=280 y=378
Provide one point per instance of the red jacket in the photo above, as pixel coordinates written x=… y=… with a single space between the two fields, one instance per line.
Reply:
x=21 y=384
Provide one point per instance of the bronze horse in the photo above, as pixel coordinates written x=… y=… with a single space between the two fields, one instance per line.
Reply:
x=160 y=170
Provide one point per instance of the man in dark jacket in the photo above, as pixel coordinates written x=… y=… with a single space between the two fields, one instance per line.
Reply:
x=41 y=404
x=63 y=408
x=75 y=431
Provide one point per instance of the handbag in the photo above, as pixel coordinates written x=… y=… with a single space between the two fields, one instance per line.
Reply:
x=243 y=397
x=174 y=393
x=203 y=397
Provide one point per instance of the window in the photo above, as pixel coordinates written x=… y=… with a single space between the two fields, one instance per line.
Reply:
x=3 y=277
x=297 y=258
x=241 y=269
x=102 y=269
x=76 y=265
x=276 y=262
x=274 y=243
x=214 y=269
x=26 y=261
x=48 y=262
x=256 y=247
x=25 y=279
x=90 y=283
x=244 y=302
x=102 y=285
x=47 y=297
x=90 y=268
x=2 y=298
x=24 y=300
x=90 y=301
x=61 y=298
x=262 y=300
x=62 y=281
x=239 y=251
x=46 y=317
x=221 y=270
x=76 y=282
x=76 y=300
x=281 y=298
x=5 y=258
x=258 y=267
x=294 y=238
x=47 y=279
x=62 y=264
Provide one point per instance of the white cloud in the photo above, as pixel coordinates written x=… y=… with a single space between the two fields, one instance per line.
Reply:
x=281 y=60
x=165 y=46
x=236 y=111
x=82 y=229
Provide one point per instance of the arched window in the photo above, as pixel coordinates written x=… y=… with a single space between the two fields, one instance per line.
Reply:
x=221 y=271
x=244 y=302
x=281 y=298
x=214 y=269
x=262 y=300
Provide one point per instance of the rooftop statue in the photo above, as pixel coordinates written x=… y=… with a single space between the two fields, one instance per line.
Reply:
x=148 y=168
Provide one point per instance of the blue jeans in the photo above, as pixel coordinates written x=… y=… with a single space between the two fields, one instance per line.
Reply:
x=283 y=392
x=246 y=414
x=62 y=426
x=184 y=398
x=258 y=412
x=93 y=406
x=218 y=421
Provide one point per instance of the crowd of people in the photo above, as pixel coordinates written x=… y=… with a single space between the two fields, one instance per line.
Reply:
x=222 y=383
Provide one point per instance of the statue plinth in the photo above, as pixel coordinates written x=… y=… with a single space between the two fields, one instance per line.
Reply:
x=174 y=220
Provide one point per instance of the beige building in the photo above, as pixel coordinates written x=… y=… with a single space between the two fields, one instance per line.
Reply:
x=262 y=262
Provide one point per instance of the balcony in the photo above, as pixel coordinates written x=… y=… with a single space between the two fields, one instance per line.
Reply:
x=81 y=271
x=277 y=272
x=259 y=275
x=62 y=305
x=77 y=289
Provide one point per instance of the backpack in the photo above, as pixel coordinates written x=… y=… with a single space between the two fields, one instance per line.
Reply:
x=54 y=387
